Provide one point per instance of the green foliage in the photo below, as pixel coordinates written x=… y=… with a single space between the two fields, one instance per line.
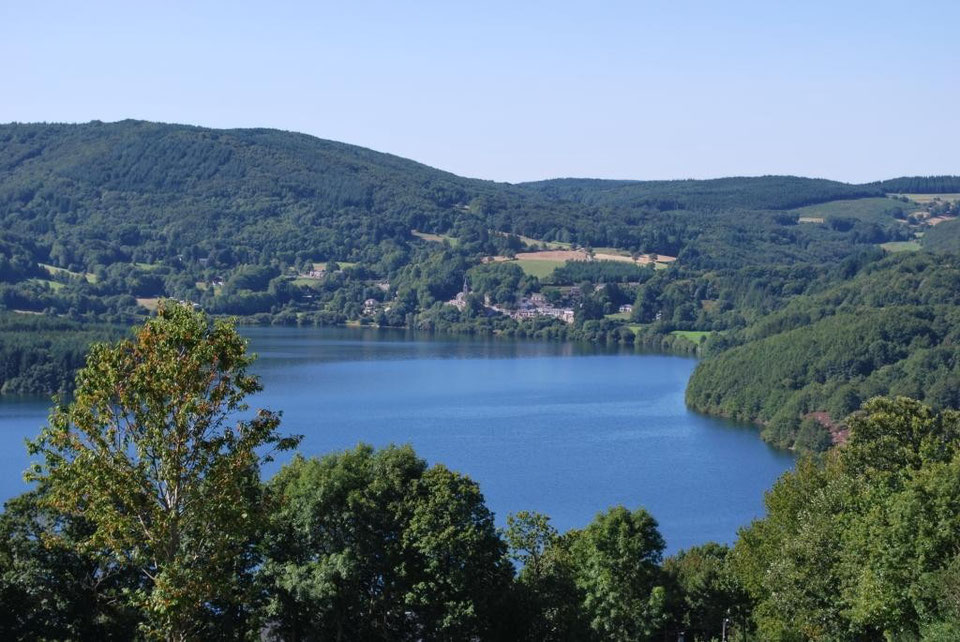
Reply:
x=920 y=185
x=882 y=211
x=892 y=329
x=859 y=544
x=617 y=567
x=706 y=593
x=230 y=219
x=600 y=272
x=376 y=546
x=944 y=237
x=144 y=454
x=40 y=355
x=503 y=282
x=51 y=590
x=760 y=193
x=863 y=544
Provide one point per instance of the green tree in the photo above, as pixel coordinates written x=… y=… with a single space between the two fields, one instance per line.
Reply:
x=374 y=545
x=548 y=600
x=528 y=536
x=51 y=591
x=145 y=454
x=617 y=559
x=708 y=592
x=858 y=544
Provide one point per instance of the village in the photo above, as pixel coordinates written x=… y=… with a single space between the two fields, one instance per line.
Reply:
x=536 y=305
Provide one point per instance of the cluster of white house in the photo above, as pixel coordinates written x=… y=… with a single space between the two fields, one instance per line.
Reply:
x=536 y=305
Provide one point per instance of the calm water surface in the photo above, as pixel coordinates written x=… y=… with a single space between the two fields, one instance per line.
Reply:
x=564 y=429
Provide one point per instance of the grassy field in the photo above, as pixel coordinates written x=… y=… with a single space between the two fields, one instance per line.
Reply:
x=618 y=316
x=323 y=266
x=876 y=210
x=691 y=335
x=538 y=268
x=927 y=198
x=52 y=270
x=149 y=303
x=901 y=246
x=53 y=285
x=611 y=250
x=435 y=238
x=551 y=245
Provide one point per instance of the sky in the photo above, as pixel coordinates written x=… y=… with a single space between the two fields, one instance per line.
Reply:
x=515 y=91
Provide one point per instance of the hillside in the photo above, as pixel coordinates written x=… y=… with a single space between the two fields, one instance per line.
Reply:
x=99 y=221
x=753 y=193
x=137 y=191
x=944 y=237
x=152 y=189
x=890 y=330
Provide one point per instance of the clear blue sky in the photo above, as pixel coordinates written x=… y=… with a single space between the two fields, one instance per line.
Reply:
x=520 y=90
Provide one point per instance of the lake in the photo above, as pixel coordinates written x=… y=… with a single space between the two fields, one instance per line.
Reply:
x=564 y=429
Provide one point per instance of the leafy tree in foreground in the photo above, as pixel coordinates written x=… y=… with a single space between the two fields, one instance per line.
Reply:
x=374 y=545
x=146 y=455
x=617 y=559
x=706 y=592
x=863 y=545
x=51 y=591
x=549 y=602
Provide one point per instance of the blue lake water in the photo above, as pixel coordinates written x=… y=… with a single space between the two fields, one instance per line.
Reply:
x=563 y=429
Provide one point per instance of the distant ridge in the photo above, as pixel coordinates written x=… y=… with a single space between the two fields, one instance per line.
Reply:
x=750 y=192
x=99 y=193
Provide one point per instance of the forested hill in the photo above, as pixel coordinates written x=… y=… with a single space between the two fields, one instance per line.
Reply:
x=99 y=221
x=148 y=186
x=752 y=193
x=743 y=192
x=920 y=185
x=78 y=196
x=892 y=329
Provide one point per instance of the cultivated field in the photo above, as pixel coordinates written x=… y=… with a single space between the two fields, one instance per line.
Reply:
x=53 y=270
x=554 y=255
x=435 y=238
x=541 y=264
x=323 y=265
x=553 y=245
x=53 y=285
x=539 y=268
x=901 y=246
x=928 y=198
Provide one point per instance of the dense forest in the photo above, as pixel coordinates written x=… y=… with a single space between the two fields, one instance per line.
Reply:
x=745 y=193
x=41 y=353
x=891 y=329
x=100 y=222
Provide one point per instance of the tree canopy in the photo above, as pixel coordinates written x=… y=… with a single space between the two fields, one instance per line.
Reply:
x=145 y=454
